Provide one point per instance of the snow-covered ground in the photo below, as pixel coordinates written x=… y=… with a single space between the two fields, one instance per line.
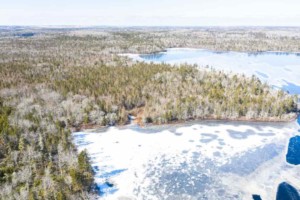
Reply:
x=279 y=69
x=200 y=160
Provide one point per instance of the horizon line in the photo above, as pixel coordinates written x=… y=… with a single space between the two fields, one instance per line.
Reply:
x=154 y=26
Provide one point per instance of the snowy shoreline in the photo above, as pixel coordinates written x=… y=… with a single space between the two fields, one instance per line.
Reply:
x=91 y=127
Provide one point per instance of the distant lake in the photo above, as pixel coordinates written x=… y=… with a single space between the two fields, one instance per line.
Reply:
x=279 y=69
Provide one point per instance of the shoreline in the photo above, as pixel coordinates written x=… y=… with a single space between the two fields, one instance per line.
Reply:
x=166 y=49
x=85 y=127
x=229 y=120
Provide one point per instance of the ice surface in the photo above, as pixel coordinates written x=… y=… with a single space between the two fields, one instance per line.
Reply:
x=203 y=160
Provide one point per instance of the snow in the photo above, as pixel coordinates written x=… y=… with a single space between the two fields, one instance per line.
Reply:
x=178 y=160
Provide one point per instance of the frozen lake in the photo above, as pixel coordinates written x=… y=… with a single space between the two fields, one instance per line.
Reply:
x=276 y=68
x=199 y=160
x=205 y=159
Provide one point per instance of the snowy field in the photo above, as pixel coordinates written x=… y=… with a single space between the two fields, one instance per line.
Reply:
x=200 y=160
x=279 y=69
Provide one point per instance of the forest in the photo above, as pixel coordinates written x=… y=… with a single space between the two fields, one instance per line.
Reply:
x=55 y=81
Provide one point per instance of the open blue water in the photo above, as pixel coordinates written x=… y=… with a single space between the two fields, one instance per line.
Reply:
x=293 y=154
x=279 y=69
x=286 y=191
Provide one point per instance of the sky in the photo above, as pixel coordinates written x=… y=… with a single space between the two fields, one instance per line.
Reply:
x=150 y=12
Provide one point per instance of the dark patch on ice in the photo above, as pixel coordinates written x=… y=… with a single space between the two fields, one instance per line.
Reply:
x=207 y=137
x=106 y=189
x=96 y=168
x=259 y=128
x=109 y=184
x=111 y=173
x=262 y=74
x=293 y=154
x=264 y=140
x=266 y=134
x=79 y=139
x=239 y=134
x=147 y=130
x=287 y=69
x=153 y=56
x=251 y=160
x=80 y=135
x=221 y=192
x=288 y=166
x=196 y=155
x=217 y=154
x=82 y=142
x=287 y=192
x=185 y=151
x=178 y=133
x=191 y=141
x=291 y=87
x=221 y=142
x=256 y=197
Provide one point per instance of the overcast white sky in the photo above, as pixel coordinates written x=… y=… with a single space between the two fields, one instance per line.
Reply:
x=151 y=12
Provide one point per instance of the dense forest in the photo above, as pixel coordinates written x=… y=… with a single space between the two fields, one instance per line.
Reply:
x=39 y=162
x=56 y=81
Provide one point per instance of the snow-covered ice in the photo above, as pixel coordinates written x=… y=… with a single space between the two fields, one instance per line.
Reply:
x=209 y=159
